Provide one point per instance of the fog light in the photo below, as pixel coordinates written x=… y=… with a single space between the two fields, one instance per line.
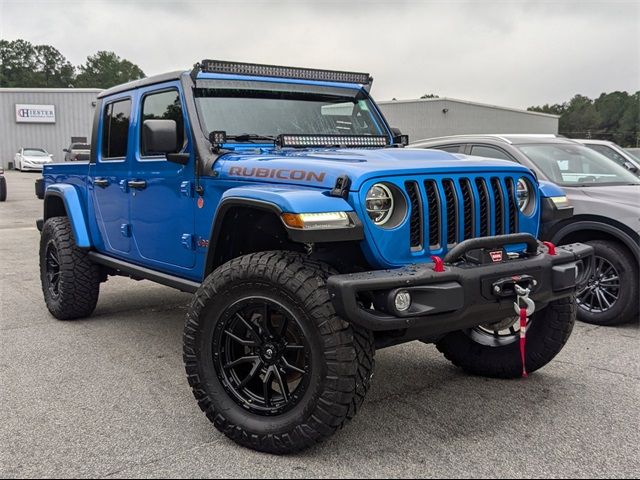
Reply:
x=402 y=301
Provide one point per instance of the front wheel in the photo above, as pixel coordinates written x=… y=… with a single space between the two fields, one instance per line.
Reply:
x=611 y=296
x=269 y=361
x=494 y=351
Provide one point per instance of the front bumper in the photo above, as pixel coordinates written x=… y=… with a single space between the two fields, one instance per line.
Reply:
x=32 y=167
x=462 y=296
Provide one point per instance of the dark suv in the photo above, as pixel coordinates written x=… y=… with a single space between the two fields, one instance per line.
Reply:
x=3 y=186
x=606 y=201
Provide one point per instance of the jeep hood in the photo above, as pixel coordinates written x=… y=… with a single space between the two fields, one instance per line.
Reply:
x=321 y=168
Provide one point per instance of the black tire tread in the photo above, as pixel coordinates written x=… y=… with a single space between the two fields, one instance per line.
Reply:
x=79 y=276
x=546 y=336
x=349 y=351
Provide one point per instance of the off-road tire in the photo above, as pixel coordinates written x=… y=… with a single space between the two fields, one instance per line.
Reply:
x=625 y=309
x=3 y=189
x=547 y=333
x=343 y=355
x=79 y=277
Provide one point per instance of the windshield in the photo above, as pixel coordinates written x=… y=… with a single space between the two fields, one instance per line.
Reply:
x=34 y=152
x=264 y=109
x=577 y=165
x=80 y=146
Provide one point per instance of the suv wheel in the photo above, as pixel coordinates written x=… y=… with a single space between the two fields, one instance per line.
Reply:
x=3 y=189
x=494 y=350
x=70 y=280
x=269 y=361
x=611 y=296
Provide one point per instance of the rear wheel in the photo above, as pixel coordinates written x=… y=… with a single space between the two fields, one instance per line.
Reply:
x=269 y=361
x=494 y=350
x=611 y=296
x=70 y=280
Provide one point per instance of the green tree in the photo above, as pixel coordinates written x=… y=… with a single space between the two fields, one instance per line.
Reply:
x=25 y=65
x=429 y=95
x=555 y=109
x=52 y=68
x=17 y=63
x=580 y=118
x=629 y=125
x=106 y=69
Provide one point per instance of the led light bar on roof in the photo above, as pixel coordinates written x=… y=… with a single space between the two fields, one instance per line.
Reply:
x=258 y=70
x=358 y=141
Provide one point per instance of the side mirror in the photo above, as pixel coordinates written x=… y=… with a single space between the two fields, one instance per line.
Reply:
x=399 y=138
x=159 y=137
x=65 y=150
x=631 y=167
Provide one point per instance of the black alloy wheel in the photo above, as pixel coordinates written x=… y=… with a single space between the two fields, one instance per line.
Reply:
x=261 y=356
x=603 y=290
x=52 y=269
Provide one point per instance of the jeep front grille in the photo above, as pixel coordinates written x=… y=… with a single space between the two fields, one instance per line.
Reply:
x=448 y=211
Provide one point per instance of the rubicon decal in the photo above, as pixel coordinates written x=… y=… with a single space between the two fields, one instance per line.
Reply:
x=281 y=173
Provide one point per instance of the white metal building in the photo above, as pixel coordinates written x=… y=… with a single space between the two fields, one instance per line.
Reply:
x=45 y=118
x=436 y=117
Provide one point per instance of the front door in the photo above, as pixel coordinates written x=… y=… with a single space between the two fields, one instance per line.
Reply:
x=110 y=175
x=162 y=193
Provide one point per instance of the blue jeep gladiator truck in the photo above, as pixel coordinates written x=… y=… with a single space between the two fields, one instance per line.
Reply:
x=309 y=236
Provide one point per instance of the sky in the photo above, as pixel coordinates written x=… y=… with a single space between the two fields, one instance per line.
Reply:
x=513 y=53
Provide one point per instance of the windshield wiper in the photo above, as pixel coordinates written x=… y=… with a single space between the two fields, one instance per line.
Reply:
x=248 y=137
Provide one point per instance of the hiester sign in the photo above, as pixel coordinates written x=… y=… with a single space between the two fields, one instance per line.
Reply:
x=35 y=113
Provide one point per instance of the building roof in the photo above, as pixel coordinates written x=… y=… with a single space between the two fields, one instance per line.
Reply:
x=466 y=102
x=50 y=90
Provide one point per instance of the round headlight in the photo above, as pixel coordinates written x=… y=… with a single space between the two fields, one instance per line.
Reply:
x=523 y=194
x=379 y=203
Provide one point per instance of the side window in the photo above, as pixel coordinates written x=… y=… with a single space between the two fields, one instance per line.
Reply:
x=163 y=106
x=115 y=129
x=609 y=153
x=489 y=152
x=449 y=148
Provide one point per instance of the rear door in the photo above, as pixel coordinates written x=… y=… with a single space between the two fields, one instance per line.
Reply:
x=110 y=175
x=162 y=196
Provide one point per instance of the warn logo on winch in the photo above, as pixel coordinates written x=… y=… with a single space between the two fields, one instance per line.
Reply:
x=496 y=256
x=281 y=173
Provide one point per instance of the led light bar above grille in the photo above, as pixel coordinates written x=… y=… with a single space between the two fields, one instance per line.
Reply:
x=357 y=141
x=258 y=70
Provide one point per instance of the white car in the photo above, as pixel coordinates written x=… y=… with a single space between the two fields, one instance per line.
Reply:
x=32 y=159
x=614 y=152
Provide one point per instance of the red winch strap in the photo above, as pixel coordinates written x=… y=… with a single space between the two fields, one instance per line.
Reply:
x=523 y=340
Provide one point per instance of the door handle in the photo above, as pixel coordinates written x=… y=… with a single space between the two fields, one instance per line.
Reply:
x=137 y=184
x=101 y=182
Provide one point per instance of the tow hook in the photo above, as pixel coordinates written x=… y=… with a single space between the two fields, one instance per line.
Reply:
x=506 y=287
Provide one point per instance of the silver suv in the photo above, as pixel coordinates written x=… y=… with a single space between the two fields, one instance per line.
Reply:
x=615 y=152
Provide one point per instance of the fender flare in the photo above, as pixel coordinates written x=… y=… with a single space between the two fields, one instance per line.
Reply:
x=74 y=209
x=354 y=233
x=612 y=230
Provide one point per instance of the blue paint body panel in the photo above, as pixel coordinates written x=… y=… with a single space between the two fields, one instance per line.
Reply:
x=166 y=226
x=548 y=189
x=74 y=196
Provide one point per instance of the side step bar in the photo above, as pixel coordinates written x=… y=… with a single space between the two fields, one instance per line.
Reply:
x=145 y=273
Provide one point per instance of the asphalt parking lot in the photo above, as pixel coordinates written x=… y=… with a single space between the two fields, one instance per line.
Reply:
x=107 y=396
